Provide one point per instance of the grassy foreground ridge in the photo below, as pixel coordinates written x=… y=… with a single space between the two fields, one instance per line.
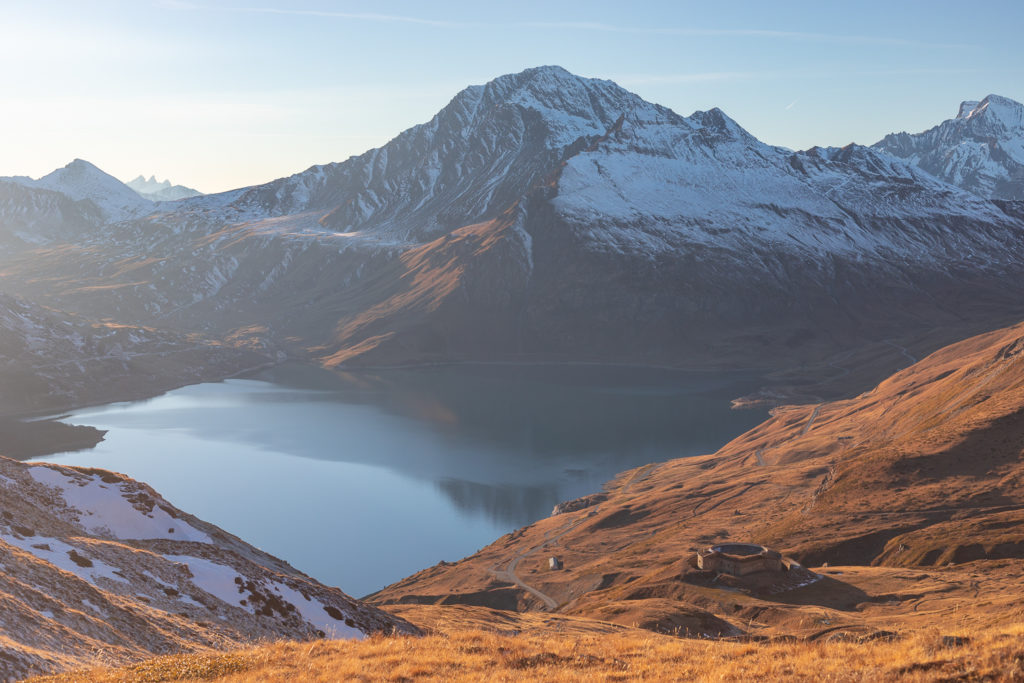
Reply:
x=990 y=655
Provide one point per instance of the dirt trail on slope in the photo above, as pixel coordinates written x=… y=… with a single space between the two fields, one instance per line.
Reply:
x=509 y=572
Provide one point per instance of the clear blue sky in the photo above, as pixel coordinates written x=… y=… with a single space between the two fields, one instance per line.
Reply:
x=223 y=94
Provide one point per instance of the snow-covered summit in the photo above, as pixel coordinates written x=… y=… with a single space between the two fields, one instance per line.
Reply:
x=571 y=106
x=981 y=150
x=81 y=180
x=474 y=158
x=997 y=111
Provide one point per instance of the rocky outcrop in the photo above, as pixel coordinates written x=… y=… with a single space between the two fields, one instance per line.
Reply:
x=579 y=503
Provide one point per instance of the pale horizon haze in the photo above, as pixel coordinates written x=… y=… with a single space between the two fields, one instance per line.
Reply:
x=219 y=95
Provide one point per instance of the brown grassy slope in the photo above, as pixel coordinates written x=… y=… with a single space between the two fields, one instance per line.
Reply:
x=936 y=445
x=472 y=655
x=924 y=470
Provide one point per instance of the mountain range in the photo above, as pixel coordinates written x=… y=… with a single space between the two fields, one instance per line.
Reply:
x=545 y=216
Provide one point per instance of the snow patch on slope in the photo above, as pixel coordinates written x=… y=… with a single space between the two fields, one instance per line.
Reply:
x=225 y=584
x=103 y=508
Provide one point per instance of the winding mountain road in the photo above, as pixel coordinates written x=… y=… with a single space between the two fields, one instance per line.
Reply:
x=509 y=575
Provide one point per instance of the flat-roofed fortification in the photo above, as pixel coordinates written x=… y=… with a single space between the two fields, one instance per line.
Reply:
x=739 y=559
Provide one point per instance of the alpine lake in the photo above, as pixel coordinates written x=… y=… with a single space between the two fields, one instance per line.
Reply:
x=362 y=478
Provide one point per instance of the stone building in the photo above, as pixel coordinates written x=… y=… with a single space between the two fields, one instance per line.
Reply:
x=739 y=559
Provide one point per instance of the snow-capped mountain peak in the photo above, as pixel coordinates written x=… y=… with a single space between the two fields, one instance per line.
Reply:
x=572 y=106
x=473 y=159
x=83 y=181
x=981 y=150
x=998 y=110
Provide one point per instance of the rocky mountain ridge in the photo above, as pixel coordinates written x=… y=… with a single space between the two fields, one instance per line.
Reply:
x=980 y=150
x=50 y=360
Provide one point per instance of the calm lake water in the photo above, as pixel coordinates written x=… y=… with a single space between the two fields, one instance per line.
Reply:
x=360 y=479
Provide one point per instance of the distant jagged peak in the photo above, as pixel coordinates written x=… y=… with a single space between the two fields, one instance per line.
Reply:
x=160 y=190
x=981 y=150
x=141 y=182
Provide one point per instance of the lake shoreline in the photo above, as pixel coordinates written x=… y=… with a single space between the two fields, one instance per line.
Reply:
x=54 y=439
x=24 y=440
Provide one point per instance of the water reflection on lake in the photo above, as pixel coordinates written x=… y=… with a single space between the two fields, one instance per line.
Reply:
x=362 y=478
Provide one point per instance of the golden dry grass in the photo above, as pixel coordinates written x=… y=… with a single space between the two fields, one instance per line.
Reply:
x=993 y=655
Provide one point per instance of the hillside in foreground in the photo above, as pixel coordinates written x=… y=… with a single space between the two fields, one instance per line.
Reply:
x=96 y=567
